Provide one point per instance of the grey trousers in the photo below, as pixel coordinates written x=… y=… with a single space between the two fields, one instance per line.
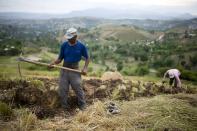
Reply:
x=68 y=78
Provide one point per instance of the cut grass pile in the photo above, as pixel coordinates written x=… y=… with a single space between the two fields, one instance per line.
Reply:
x=164 y=112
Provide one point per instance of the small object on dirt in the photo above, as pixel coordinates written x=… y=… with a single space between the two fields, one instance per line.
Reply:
x=163 y=81
x=114 y=76
x=43 y=112
x=112 y=108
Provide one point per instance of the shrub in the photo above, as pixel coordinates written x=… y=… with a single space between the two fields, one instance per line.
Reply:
x=142 y=70
x=188 y=75
x=5 y=110
x=128 y=71
x=168 y=62
x=143 y=57
x=193 y=60
x=163 y=62
x=119 y=66
x=161 y=71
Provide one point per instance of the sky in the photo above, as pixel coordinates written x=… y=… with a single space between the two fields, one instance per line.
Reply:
x=66 y=6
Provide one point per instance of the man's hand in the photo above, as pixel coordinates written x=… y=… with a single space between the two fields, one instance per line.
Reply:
x=54 y=63
x=85 y=68
x=163 y=81
x=179 y=85
x=51 y=65
x=84 y=71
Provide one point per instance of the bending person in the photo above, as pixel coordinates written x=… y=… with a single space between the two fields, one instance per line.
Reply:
x=173 y=75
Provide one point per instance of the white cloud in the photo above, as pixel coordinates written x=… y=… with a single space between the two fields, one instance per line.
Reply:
x=64 y=6
x=146 y=2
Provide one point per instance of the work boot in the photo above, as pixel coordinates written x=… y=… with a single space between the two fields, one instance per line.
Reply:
x=83 y=107
x=67 y=108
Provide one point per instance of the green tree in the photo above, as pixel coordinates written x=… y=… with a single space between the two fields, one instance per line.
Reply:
x=119 y=65
x=142 y=70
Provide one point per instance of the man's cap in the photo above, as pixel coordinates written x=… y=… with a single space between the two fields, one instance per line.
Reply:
x=70 y=33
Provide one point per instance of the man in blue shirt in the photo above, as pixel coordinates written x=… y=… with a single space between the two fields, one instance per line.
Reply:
x=72 y=52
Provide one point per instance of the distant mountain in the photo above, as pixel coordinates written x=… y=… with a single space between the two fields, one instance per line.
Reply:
x=103 y=13
x=21 y=15
x=53 y=22
x=129 y=14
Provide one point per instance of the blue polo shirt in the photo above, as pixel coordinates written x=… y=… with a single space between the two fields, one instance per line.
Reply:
x=73 y=53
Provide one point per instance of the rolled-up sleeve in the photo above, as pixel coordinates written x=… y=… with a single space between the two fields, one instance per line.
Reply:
x=178 y=80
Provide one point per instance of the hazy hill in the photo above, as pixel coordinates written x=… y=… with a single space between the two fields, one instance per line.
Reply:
x=183 y=26
x=107 y=13
x=86 y=22
x=112 y=32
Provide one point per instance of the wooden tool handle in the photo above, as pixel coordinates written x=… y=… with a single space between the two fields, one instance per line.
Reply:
x=45 y=64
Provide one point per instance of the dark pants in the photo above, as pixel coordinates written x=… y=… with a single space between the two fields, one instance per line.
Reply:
x=173 y=80
x=68 y=78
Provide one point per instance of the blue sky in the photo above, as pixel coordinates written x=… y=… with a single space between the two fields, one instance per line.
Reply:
x=66 y=6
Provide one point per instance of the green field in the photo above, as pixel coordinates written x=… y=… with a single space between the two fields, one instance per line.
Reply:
x=9 y=69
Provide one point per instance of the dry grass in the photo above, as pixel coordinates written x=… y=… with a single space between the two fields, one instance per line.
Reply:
x=164 y=112
x=26 y=120
x=157 y=113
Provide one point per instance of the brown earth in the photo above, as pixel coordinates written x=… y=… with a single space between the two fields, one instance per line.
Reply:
x=40 y=94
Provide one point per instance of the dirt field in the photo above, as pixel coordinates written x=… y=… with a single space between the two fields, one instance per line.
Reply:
x=38 y=98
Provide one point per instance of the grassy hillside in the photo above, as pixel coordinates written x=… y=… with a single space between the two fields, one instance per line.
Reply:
x=124 y=47
x=122 y=33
